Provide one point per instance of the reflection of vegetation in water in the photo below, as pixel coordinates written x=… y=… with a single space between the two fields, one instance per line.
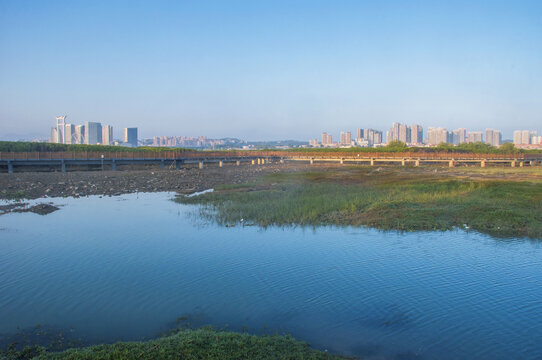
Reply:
x=386 y=199
x=30 y=342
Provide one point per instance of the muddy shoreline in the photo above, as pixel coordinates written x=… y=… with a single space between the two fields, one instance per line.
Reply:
x=35 y=185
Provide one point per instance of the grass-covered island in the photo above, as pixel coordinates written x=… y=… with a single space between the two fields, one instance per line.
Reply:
x=497 y=201
x=186 y=344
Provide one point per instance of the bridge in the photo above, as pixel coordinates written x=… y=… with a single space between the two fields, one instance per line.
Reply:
x=177 y=159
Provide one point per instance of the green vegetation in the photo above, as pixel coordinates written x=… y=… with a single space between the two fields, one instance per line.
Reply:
x=405 y=199
x=20 y=146
x=186 y=344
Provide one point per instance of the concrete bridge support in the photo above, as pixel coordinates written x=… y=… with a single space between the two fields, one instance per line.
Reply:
x=178 y=164
x=113 y=165
x=451 y=163
x=513 y=163
x=10 y=167
x=220 y=163
x=312 y=161
x=483 y=163
x=372 y=162
x=201 y=164
x=252 y=162
x=521 y=164
x=162 y=164
x=282 y=161
x=417 y=163
x=342 y=161
x=403 y=162
x=62 y=166
x=238 y=162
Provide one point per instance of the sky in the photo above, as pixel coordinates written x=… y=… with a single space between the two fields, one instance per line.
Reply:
x=268 y=70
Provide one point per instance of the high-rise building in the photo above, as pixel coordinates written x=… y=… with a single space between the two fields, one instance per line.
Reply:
x=93 y=133
x=130 y=136
x=54 y=135
x=359 y=134
x=532 y=137
x=69 y=132
x=517 y=137
x=524 y=137
x=436 y=136
x=324 y=139
x=329 y=139
x=489 y=136
x=474 y=136
x=497 y=138
x=107 y=135
x=416 y=134
x=60 y=128
x=342 y=138
x=79 y=136
x=459 y=136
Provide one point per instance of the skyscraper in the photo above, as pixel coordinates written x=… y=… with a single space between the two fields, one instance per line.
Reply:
x=436 y=136
x=60 y=128
x=474 y=136
x=107 y=134
x=416 y=134
x=360 y=135
x=130 y=136
x=69 y=132
x=93 y=133
x=324 y=139
x=79 y=137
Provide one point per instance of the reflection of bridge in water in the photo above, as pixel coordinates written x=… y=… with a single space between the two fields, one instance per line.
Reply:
x=179 y=159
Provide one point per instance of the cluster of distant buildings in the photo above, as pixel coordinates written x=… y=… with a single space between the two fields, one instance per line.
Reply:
x=186 y=141
x=91 y=133
x=413 y=136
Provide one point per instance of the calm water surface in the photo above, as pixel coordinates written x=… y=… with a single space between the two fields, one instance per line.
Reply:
x=126 y=267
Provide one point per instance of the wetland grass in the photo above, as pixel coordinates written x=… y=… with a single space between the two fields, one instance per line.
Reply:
x=203 y=343
x=493 y=201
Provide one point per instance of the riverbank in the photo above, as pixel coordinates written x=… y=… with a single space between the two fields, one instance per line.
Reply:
x=187 y=344
x=34 y=185
x=498 y=201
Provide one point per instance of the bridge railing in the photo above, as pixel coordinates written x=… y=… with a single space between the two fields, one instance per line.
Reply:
x=87 y=155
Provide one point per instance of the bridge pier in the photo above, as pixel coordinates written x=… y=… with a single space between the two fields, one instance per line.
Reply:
x=417 y=162
x=451 y=163
x=10 y=167
x=403 y=161
x=282 y=161
x=238 y=162
x=513 y=163
x=372 y=162
x=113 y=165
x=63 y=166
x=521 y=164
x=252 y=161
x=220 y=163
x=200 y=165
x=312 y=161
x=162 y=164
x=342 y=161
x=178 y=163
x=483 y=163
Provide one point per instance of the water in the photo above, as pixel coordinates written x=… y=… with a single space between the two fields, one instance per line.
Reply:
x=126 y=267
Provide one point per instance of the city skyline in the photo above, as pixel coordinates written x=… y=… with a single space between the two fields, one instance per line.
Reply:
x=270 y=70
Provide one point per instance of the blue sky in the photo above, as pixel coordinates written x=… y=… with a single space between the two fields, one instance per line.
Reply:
x=270 y=69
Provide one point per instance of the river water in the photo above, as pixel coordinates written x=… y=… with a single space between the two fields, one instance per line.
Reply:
x=124 y=268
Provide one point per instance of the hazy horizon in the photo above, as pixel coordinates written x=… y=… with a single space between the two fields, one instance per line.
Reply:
x=270 y=70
